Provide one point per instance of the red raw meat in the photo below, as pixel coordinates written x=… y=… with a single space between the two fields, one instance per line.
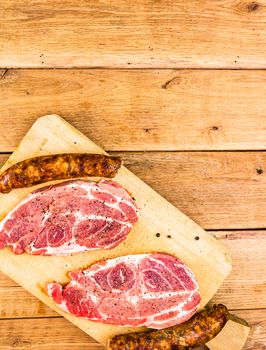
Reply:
x=71 y=217
x=152 y=290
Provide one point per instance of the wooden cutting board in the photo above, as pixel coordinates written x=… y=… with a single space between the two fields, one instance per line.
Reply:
x=179 y=235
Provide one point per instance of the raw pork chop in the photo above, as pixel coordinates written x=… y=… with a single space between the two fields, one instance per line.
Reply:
x=152 y=290
x=71 y=217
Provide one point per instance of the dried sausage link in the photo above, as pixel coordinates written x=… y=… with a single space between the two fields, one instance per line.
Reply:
x=41 y=169
x=194 y=333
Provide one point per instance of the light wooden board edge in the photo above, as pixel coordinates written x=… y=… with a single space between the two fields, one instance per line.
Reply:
x=232 y=337
x=124 y=177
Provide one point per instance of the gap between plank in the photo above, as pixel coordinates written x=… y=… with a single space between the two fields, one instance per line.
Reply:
x=235 y=229
x=170 y=151
x=131 y=69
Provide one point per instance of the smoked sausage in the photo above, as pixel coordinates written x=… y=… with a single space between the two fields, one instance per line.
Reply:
x=41 y=169
x=192 y=334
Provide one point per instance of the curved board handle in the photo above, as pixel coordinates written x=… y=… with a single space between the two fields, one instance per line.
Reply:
x=232 y=337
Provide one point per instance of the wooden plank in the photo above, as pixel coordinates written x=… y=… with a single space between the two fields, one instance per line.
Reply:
x=141 y=109
x=6 y=281
x=62 y=335
x=206 y=257
x=45 y=334
x=141 y=34
x=219 y=190
x=3 y=159
x=244 y=288
x=257 y=322
x=16 y=302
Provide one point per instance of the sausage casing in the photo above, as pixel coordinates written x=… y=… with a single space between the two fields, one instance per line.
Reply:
x=41 y=169
x=197 y=331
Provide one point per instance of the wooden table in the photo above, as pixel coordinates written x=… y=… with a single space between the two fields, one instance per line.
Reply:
x=177 y=88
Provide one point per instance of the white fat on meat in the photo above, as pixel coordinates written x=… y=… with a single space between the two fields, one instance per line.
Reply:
x=70 y=217
x=154 y=290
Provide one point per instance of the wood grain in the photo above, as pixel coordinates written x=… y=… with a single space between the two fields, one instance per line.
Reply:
x=16 y=302
x=148 y=110
x=257 y=322
x=141 y=109
x=207 y=258
x=62 y=335
x=222 y=33
x=218 y=190
x=244 y=288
